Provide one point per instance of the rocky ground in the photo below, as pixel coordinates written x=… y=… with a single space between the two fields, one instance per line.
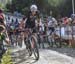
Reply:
x=47 y=56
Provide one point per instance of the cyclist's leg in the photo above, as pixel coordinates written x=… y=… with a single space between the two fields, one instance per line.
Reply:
x=52 y=29
x=34 y=35
x=34 y=44
x=26 y=38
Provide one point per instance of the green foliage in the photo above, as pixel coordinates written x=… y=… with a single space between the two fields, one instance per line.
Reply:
x=6 y=59
x=55 y=3
x=20 y=5
x=1 y=5
x=57 y=6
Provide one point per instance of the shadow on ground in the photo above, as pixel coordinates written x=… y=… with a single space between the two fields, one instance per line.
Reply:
x=26 y=60
x=65 y=51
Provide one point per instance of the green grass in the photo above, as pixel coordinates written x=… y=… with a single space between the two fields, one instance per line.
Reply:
x=6 y=59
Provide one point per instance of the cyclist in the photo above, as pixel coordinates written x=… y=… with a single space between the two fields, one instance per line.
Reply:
x=3 y=34
x=33 y=18
x=52 y=22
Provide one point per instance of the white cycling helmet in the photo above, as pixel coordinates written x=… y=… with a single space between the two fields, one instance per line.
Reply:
x=33 y=8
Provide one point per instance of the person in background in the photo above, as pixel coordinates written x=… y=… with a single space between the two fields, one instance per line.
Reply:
x=52 y=22
x=3 y=22
x=2 y=18
x=3 y=34
x=16 y=23
x=8 y=23
x=11 y=31
x=65 y=20
x=22 y=23
x=21 y=31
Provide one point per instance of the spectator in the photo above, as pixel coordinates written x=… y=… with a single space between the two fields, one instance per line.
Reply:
x=16 y=23
x=52 y=22
x=2 y=18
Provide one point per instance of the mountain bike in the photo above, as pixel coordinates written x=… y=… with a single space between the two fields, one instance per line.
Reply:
x=31 y=44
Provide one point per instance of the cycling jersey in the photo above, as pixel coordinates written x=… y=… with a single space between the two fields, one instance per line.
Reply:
x=52 y=22
x=30 y=23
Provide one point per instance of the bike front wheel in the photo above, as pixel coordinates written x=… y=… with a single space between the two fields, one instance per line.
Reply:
x=35 y=47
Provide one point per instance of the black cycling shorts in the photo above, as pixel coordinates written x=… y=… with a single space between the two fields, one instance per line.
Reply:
x=52 y=29
x=33 y=29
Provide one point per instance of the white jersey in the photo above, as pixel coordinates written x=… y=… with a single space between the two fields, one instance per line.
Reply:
x=41 y=25
x=52 y=22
